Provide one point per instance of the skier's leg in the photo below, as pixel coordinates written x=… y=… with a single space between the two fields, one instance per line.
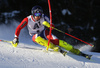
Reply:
x=53 y=38
x=68 y=47
x=34 y=37
x=41 y=39
x=44 y=42
x=62 y=43
x=72 y=49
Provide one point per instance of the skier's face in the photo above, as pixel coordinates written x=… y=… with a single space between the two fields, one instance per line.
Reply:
x=37 y=18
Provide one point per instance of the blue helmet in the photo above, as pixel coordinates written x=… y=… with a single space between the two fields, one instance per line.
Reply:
x=37 y=11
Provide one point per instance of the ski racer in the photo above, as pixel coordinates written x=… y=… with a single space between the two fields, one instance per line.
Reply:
x=37 y=24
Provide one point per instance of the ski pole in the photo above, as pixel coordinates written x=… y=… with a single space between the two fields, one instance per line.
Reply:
x=14 y=45
x=73 y=37
x=6 y=41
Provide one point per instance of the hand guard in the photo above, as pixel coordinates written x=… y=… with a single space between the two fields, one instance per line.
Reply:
x=45 y=23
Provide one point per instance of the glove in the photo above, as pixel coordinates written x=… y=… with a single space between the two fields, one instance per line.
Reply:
x=15 y=40
x=45 y=23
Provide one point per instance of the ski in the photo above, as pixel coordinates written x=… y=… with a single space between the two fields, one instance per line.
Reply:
x=6 y=41
x=11 y=42
x=85 y=55
x=63 y=52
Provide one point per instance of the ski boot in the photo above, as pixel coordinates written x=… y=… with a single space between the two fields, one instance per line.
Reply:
x=85 y=55
x=63 y=52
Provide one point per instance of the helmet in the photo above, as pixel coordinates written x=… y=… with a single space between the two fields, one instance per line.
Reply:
x=37 y=11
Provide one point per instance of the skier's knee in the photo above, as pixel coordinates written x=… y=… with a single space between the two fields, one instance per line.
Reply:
x=33 y=38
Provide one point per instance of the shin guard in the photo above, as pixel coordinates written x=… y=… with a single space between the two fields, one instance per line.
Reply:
x=68 y=47
x=65 y=45
x=75 y=51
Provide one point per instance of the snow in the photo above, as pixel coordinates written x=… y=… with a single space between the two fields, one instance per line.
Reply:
x=94 y=38
x=8 y=15
x=92 y=28
x=64 y=11
x=25 y=56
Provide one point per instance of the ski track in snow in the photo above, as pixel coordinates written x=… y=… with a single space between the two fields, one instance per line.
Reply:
x=24 y=56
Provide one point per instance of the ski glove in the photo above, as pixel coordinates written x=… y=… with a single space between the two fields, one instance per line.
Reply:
x=15 y=41
x=45 y=23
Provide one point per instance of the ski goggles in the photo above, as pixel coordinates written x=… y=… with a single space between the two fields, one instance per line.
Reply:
x=37 y=14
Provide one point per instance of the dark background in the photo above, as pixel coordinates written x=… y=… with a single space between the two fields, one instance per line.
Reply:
x=84 y=18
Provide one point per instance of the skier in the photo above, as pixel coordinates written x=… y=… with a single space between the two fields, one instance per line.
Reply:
x=37 y=24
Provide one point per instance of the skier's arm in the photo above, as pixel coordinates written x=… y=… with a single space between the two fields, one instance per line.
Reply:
x=20 y=26
x=45 y=23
